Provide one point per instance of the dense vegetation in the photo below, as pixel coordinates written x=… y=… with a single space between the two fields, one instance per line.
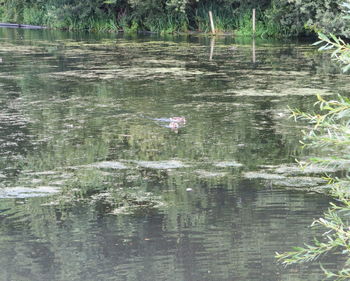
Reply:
x=274 y=17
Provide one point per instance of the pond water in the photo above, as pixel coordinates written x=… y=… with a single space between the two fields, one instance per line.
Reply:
x=99 y=182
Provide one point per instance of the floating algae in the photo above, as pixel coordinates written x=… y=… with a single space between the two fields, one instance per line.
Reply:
x=126 y=202
x=300 y=170
x=27 y=192
x=262 y=175
x=129 y=73
x=300 y=182
x=43 y=173
x=281 y=92
x=170 y=164
x=284 y=180
x=107 y=165
x=226 y=164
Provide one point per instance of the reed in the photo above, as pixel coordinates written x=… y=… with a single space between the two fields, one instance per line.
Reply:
x=224 y=18
x=169 y=23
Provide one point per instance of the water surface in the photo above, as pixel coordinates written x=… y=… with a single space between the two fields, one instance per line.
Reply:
x=211 y=199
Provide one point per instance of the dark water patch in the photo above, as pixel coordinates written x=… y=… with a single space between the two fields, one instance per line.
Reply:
x=182 y=245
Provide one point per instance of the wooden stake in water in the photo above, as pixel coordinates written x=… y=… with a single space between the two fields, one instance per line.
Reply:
x=211 y=22
x=253 y=51
x=253 y=21
x=212 y=46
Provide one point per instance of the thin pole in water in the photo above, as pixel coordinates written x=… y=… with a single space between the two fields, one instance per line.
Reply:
x=253 y=21
x=253 y=51
x=211 y=22
x=212 y=46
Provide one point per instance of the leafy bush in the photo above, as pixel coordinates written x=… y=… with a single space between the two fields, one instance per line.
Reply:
x=321 y=15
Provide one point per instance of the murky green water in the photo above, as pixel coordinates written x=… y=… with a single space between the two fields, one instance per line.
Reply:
x=212 y=198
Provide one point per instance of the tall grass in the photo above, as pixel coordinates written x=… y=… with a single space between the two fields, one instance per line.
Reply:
x=234 y=20
x=34 y=16
x=102 y=25
x=224 y=18
x=168 y=23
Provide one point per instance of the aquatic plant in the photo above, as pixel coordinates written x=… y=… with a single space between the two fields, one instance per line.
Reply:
x=86 y=183
x=97 y=186
x=224 y=17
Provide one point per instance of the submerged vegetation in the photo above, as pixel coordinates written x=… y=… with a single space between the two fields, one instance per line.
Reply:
x=274 y=17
